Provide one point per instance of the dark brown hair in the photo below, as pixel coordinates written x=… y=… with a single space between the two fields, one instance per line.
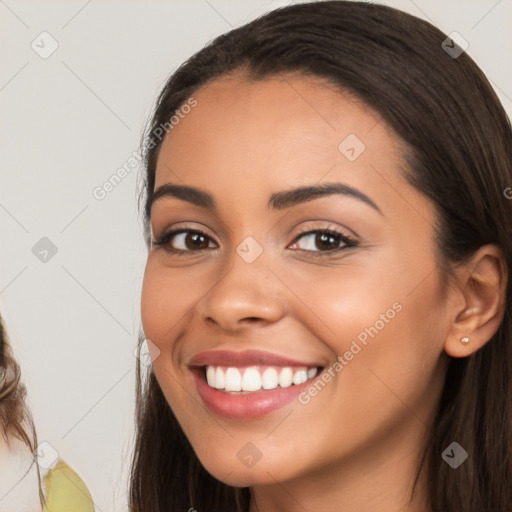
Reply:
x=459 y=155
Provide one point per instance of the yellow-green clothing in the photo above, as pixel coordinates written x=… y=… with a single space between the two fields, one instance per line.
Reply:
x=65 y=491
x=61 y=490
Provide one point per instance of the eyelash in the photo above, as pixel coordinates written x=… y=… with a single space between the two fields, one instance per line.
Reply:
x=163 y=241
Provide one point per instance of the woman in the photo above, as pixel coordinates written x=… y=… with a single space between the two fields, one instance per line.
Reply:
x=24 y=485
x=326 y=298
x=19 y=473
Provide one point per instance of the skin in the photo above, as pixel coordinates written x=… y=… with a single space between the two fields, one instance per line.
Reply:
x=356 y=444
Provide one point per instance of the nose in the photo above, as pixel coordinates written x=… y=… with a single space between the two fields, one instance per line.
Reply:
x=244 y=295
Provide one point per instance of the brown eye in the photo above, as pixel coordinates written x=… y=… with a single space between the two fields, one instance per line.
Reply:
x=184 y=240
x=324 y=241
x=194 y=240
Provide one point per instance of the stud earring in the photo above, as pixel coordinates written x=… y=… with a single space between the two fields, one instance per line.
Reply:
x=464 y=340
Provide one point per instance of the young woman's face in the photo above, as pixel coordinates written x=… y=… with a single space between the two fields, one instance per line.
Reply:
x=263 y=289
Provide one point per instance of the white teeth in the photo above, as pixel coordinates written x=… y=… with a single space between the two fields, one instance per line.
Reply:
x=269 y=379
x=219 y=379
x=251 y=379
x=286 y=377
x=210 y=376
x=300 y=376
x=233 y=380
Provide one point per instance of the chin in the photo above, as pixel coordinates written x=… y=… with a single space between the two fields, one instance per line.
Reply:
x=246 y=478
x=237 y=475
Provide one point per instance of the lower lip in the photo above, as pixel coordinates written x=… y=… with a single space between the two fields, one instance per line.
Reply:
x=250 y=406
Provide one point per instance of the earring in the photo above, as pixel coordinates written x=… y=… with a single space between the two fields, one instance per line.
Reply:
x=464 y=340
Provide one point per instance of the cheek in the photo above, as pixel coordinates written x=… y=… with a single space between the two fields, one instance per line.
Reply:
x=164 y=303
x=382 y=319
x=152 y=298
x=388 y=342
x=340 y=303
x=400 y=336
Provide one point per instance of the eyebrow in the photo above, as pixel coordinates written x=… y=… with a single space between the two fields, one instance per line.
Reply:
x=277 y=201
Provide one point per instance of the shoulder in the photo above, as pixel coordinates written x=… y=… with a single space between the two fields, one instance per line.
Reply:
x=19 y=482
x=65 y=490
x=61 y=486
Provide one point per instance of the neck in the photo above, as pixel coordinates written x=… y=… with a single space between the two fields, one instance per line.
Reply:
x=379 y=477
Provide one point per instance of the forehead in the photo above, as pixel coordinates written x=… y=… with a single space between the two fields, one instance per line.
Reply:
x=246 y=139
x=286 y=116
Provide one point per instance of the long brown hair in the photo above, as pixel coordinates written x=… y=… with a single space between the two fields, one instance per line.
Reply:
x=15 y=417
x=460 y=157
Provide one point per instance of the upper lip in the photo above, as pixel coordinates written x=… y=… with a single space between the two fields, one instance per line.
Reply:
x=245 y=358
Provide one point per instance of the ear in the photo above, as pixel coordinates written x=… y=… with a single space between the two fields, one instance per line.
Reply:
x=481 y=288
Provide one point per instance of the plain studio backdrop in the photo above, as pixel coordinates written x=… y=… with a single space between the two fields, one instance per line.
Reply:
x=78 y=80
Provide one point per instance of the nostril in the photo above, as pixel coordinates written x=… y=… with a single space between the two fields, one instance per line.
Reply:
x=252 y=319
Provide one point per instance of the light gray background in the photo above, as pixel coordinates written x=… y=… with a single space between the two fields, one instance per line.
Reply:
x=68 y=123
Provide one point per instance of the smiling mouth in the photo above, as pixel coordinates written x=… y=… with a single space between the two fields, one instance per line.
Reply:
x=257 y=378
